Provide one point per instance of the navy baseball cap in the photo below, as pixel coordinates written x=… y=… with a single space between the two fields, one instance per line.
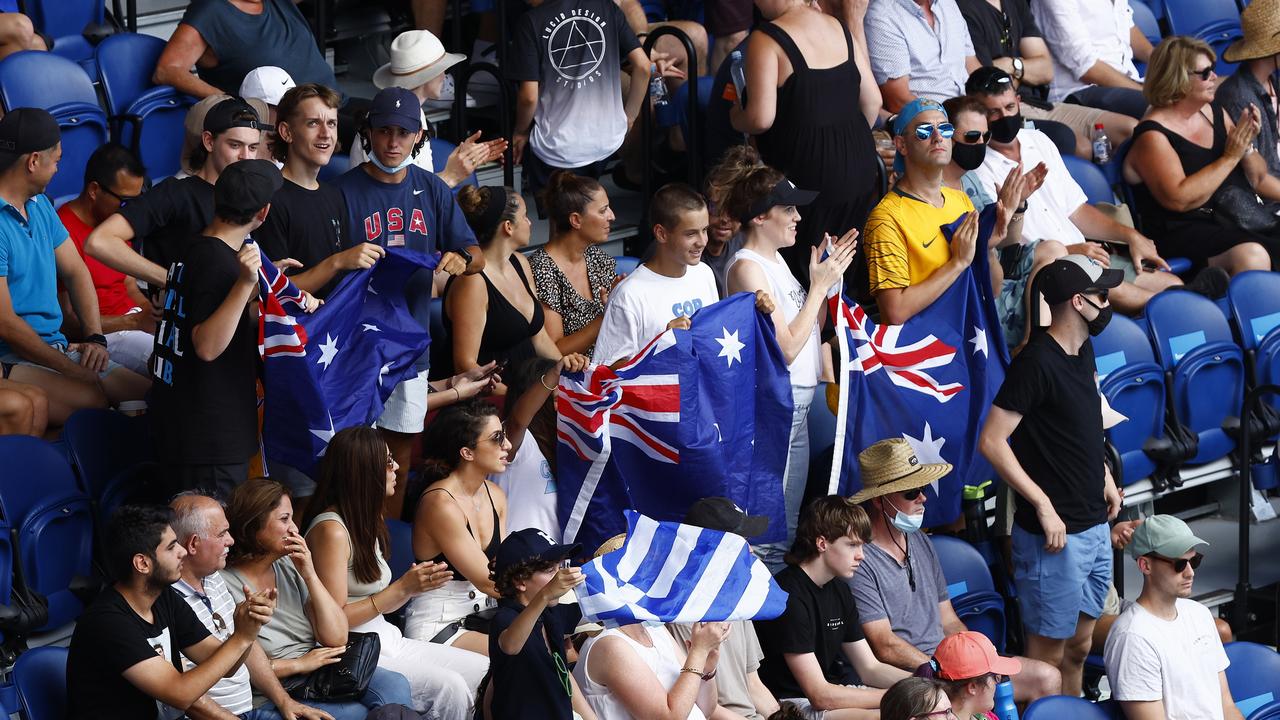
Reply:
x=531 y=544
x=396 y=106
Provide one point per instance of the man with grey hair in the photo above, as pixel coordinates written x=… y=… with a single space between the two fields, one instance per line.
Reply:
x=202 y=528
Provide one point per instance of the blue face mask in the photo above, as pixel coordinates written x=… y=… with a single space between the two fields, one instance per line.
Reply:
x=373 y=158
x=904 y=522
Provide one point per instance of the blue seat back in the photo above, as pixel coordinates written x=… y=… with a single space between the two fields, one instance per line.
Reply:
x=41 y=499
x=1091 y=179
x=1180 y=322
x=63 y=18
x=31 y=78
x=104 y=443
x=84 y=130
x=1145 y=18
x=1254 y=675
x=41 y=677
x=1057 y=707
x=338 y=164
x=440 y=151
x=962 y=566
x=401 y=535
x=625 y=264
x=1134 y=386
x=1255 y=305
x=160 y=137
x=1190 y=17
x=126 y=62
x=822 y=423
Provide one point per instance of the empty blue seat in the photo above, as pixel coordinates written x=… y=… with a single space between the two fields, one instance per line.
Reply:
x=1194 y=345
x=114 y=460
x=41 y=677
x=401 y=537
x=144 y=116
x=41 y=499
x=970 y=587
x=1254 y=676
x=1133 y=384
x=65 y=21
x=1091 y=179
x=1255 y=307
x=1058 y=707
x=625 y=264
x=1217 y=22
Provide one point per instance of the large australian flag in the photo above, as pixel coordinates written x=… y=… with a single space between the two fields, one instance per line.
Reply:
x=697 y=413
x=930 y=381
x=334 y=368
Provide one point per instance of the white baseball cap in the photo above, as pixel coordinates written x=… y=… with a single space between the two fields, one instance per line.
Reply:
x=267 y=83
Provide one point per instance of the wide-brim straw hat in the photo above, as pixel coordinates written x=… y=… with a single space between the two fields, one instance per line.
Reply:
x=891 y=466
x=1260 y=22
x=417 y=57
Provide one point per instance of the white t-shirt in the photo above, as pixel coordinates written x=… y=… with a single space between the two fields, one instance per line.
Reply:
x=1049 y=208
x=642 y=305
x=1175 y=661
x=789 y=295
x=531 y=490
x=423 y=160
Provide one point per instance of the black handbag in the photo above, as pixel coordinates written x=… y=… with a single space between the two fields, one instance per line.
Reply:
x=1237 y=207
x=344 y=680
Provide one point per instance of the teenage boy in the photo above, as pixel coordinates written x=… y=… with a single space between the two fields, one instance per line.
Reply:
x=124 y=659
x=530 y=678
x=671 y=286
x=177 y=209
x=204 y=398
x=801 y=646
x=1043 y=436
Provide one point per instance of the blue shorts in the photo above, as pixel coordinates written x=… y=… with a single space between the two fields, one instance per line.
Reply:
x=1055 y=588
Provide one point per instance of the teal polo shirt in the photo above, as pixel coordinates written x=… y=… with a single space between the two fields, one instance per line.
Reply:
x=27 y=264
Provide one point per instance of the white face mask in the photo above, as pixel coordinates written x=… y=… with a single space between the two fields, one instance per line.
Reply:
x=904 y=522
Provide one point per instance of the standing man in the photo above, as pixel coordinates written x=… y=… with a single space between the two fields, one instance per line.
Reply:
x=393 y=203
x=1043 y=435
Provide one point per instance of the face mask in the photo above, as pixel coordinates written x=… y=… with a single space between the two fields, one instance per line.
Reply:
x=389 y=169
x=968 y=157
x=1006 y=129
x=905 y=523
x=1099 y=323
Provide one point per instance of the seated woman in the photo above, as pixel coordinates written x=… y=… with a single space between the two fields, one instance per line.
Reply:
x=573 y=276
x=916 y=698
x=459 y=522
x=494 y=315
x=308 y=629
x=1186 y=154
x=350 y=545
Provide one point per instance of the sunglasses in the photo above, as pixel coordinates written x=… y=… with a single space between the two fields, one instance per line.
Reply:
x=498 y=437
x=1180 y=565
x=996 y=85
x=912 y=494
x=1204 y=74
x=1006 y=33
x=925 y=131
x=219 y=624
x=974 y=137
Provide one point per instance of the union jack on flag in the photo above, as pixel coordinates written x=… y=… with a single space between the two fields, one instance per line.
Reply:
x=279 y=332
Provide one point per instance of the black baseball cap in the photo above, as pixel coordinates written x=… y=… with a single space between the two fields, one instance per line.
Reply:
x=1065 y=277
x=396 y=106
x=246 y=186
x=231 y=113
x=784 y=193
x=720 y=513
x=988 y=80
x=26 y=130
x=531 y=544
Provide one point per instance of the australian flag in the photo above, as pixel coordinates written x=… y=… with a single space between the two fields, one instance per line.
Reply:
x=697 y=413
x=930 y=380
x=334 y=368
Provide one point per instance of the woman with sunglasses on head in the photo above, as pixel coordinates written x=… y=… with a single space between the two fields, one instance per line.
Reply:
x=917 y=698
x=971 y=669
x=350 y=545
x=460 y=521
x=1196 y=174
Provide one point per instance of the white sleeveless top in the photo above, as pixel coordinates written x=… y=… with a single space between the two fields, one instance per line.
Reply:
x=661 y=659
x=789 y=295
x=357 y=590
x=531 y=490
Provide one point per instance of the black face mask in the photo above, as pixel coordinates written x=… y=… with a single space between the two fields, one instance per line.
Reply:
x=1006 y=128
x=1099 y=323
x=968 y=157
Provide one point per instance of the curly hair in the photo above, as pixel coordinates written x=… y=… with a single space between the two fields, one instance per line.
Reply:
x=506 y=580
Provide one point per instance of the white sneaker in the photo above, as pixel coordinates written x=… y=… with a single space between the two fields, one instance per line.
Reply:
x=445 y=101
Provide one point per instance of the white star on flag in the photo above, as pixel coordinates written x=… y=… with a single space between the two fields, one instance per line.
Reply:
x=328 y=351
x=383 y=371
x=371 y=328
x=325 y=435
x=979 y=341
x=730 y=346
x=928 y=449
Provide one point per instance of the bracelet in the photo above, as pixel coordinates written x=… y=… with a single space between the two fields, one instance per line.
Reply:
x=457 y=393
x=692 y=671
x=97 y=339
x=543 y=379
x=374 y=604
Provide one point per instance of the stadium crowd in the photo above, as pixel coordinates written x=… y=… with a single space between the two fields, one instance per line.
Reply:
x=234 y=600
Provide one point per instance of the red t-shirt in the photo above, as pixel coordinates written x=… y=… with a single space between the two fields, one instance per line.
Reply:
x=113 y=299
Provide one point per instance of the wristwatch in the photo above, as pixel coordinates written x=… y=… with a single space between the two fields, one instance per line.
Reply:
x=1018 y=69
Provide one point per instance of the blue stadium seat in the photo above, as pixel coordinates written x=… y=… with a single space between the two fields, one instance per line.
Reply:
x=625 y=264
x=65 y=21
x=970 y=587
x=41 y=677
x=1255 y=307
x=1133 y=384
x=144 y=116
x=440 y=152
x=1194 y=345
x=1217 y=22
x=1091 y=179
x=113 y=458
x=54 y=523
x=1057 y=707
x=1145 y=18
x=1254 y=676
x=338 y=164
x=401 y=536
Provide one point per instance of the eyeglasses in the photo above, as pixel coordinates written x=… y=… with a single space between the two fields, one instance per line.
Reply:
x=1180 y=565
x=974 y=137
x=562 y=672
x=1204 y=74
x=925 y=131
x=1006 y=33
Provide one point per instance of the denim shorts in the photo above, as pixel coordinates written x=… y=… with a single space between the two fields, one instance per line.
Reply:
x=1055 y=588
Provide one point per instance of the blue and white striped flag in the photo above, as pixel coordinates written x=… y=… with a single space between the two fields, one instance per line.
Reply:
x=669 y=572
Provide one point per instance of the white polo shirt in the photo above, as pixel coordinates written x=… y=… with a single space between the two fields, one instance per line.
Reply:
x=1049 y=208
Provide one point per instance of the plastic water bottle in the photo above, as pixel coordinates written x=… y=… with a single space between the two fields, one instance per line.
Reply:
x=1101 y=145
x=657 y=89
x=1004 y=707
x=738 y=73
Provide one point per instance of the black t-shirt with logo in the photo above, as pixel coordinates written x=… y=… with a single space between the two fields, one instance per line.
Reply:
x=306 y=225
x=817 y=620
x=110 y=638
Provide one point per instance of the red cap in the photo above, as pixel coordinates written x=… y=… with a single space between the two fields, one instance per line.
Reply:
x=969 y=655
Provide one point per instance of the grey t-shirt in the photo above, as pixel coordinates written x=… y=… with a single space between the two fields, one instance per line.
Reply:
x=882 y=590
x=289 y=634
x=740 y=655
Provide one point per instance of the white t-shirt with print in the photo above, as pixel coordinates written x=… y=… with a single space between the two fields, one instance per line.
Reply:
x=642 y=305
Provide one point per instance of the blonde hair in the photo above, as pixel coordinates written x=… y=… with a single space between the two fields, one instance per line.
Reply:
x=1169 y=72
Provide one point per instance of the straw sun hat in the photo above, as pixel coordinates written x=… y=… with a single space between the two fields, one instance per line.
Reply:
x=891 y=466
x=1261 y=24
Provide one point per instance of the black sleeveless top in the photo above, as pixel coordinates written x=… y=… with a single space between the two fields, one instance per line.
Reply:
x=491 y=551
x=507 y=336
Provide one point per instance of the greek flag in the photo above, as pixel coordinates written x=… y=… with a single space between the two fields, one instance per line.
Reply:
x=669 y=572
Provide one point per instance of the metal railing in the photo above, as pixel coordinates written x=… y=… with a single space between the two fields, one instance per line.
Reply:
x=458 y=118
x=647 y=120
x=1240 y=603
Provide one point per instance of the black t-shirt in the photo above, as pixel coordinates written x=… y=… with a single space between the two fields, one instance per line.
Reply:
x=306 y=225
x=204 y=413
x=1059 y=441
x=110 y=638
x=987 y=30
x=528 y=685
x=817 y=620
x=168 y=216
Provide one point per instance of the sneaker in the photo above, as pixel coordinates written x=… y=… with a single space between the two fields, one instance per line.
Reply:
x=1211 y=282
x=445 y=101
